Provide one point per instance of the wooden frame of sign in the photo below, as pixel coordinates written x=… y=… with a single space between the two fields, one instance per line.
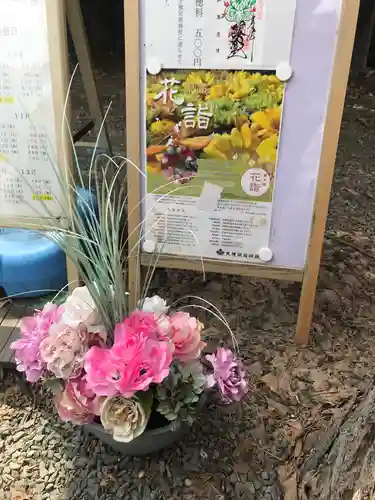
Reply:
x=309 y=275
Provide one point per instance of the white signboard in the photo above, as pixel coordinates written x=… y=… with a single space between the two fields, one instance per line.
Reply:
x=219 y=34
x=28 y=159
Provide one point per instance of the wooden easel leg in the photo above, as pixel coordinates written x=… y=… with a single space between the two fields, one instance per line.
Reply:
x=335 y=108
x=73 y=275
x=306 y=306
x=134 y=282
x=81 y=45
x=133 y=144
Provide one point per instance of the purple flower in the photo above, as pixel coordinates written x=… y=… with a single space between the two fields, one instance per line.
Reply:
x=228 y=374
x=34 y=329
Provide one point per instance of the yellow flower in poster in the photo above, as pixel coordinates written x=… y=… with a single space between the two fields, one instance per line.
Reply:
x=236 y=145
x=220 y=147
x=162 y=127
x=268 y=120
x=239 y=85
x=218 y=91
x=267 y=149
x=200 y=78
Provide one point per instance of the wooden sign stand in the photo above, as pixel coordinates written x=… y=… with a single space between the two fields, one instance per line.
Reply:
x=309 y=275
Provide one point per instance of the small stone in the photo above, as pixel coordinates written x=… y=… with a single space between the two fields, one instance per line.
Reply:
x=110 y=460
x=257 y=484
x=250 y=487
x=233 y=478
x=188 y=482
x=69 y=465
x=265 y=475
x=82 y=462
x=18 y=435
x=42 y=470
x=15 y=465
x=141 y=474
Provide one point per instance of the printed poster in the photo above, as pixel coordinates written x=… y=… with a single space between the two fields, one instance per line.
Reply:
x=219 y=34
x=212 y=141
x=28 y=165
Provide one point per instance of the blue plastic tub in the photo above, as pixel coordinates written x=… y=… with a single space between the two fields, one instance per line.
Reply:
x=30 y=264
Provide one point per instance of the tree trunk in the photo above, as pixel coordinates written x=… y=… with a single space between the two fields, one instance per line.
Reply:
x=347 y=469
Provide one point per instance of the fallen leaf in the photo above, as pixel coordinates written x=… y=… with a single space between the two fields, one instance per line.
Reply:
x=242 y=467
x=290 y=487
x=295 y=429
x=279 y=384
x=319 y=380
x=298 y=449
x=259 y=432
x=255 y=369
x=284 y=471
x=279 y=407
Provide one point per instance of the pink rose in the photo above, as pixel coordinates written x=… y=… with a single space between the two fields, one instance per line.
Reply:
x=33 y=330
x=64 y=349
x=186 y=336
x=77 y=403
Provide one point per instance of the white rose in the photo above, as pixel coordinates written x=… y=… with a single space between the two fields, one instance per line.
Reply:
x=126 y=419
x=155 y=305
x=80 y=307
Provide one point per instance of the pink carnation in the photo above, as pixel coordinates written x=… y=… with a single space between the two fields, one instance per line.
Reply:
x=228 y=374
x=77 y=403
x=136 y=359
x=186 y=336
x=64 y=349
x=33 y=330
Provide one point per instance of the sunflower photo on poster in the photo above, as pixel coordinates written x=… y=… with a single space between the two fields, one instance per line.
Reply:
x=220 y=127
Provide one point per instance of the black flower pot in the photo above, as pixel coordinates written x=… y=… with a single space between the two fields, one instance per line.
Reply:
x=150 y=441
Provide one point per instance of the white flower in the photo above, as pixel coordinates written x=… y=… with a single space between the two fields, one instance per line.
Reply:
x=80 y=308
x=155 y=305
x=126 y=418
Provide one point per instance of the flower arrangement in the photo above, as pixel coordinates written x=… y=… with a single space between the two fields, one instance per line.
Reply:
x=103 y=361
x=152 y=364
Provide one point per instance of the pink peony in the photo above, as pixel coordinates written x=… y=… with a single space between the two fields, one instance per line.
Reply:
x=77 y=403
x=103 y=371
x=150 y=365
x=186 y=336
x=228 y=374
x=64 y=349
x=137 y=358
x=33 y=330
x=142 y=324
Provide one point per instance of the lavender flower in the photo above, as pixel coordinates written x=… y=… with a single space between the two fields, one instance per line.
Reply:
x=228 y=374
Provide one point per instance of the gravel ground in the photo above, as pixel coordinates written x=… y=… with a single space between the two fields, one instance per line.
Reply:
x=257 y=450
